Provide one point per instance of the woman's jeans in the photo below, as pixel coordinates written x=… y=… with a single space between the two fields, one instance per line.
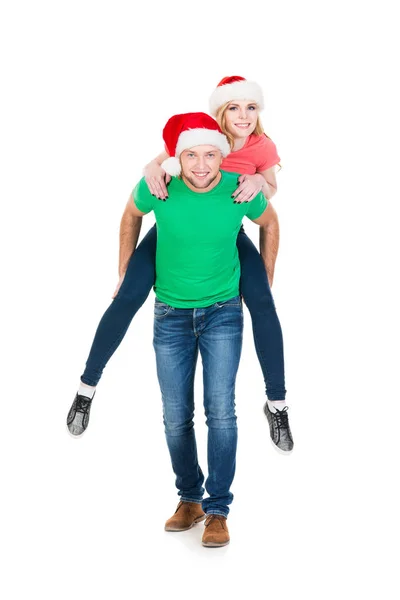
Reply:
x=138 y=281
x=179 y=335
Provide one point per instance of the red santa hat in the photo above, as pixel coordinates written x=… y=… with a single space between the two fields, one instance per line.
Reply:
x=235 y=88
x=188 y=130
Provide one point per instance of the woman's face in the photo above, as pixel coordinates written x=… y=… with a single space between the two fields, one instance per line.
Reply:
x=241 y=118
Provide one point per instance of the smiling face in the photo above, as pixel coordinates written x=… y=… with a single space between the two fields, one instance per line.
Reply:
x=241 y=118
x=200 y=167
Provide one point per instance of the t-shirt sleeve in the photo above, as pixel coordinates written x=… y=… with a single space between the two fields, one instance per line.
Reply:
x=267 y=154
x=142 y=197
x=257 y=206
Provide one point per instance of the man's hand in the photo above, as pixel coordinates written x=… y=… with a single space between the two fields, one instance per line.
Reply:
x=118 y=286
x=157 y=179
x=249 y=186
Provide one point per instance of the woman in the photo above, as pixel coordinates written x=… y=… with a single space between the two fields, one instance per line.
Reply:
x=235 y=103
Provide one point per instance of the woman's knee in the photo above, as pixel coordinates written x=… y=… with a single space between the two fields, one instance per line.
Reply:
x=258 y=298
x=135 y=291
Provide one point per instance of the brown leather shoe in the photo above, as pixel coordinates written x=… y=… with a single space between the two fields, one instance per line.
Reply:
x=216 y=532
x=186 y=515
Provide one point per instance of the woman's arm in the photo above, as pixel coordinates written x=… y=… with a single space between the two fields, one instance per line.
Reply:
x=270 y=186
x=156 y=178
x=250 y=185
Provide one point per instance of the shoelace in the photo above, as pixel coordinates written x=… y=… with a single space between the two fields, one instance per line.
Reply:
x=179 y=505
x=211 y=518
x=83 y=405
x=281 y=417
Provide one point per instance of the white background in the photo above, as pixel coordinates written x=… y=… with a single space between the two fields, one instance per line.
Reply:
x=86 y=89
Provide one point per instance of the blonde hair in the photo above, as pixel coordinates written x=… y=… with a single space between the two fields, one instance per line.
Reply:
x=221 y=120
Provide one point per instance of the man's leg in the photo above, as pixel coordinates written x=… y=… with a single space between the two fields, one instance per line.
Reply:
x=220 y=343
x=176 y=350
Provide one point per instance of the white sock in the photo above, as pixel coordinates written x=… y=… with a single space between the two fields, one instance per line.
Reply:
x=273 y=405
x=86 y=390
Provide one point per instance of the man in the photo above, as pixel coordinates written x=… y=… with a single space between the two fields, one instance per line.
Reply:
x=198 y=308
x=137 y=278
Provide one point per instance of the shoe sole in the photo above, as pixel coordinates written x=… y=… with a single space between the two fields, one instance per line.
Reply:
x=214 y=544
x=282 y=452
x=74 y=435
x=198 y=520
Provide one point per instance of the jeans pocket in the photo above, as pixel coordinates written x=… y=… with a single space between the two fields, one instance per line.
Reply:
x=161 y=309
x=234 y=302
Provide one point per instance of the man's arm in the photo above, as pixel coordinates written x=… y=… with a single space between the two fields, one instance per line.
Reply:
x=269 y=239
x=129 y=231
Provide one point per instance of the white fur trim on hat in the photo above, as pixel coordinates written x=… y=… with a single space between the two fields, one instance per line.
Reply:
x=172 y=166
x=202 y=137
x=239 y=90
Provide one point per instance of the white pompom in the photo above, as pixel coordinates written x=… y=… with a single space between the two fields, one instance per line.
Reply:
x=172 y=166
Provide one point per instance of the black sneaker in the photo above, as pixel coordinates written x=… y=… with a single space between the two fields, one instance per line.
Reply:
x=78 y=416
x=279 y=428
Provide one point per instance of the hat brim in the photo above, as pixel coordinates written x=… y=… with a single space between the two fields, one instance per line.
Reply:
x=202 y=137
x=239 y=90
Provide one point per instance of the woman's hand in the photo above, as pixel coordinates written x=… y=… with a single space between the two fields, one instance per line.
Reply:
x=249 y=186
x=156 y=179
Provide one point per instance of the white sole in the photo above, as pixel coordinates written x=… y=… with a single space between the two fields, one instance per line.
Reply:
x=76 y=437
x=199 y=520
x=283 y=452
x=213 y=545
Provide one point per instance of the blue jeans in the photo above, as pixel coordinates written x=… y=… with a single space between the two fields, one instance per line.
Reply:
x=138 y=281
x=179 y=334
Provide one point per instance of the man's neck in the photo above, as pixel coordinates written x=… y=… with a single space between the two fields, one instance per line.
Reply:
x=202 y=190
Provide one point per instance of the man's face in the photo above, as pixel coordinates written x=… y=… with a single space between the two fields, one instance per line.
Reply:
x=241 y=118
x=200 y=166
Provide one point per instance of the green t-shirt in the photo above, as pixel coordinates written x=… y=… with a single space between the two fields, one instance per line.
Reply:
x=197 y=262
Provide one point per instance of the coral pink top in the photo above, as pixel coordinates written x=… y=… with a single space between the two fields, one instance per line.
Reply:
x=258 y=154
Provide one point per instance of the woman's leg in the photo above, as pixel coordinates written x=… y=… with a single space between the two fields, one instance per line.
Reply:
x=135 y=288
x=267 y=331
